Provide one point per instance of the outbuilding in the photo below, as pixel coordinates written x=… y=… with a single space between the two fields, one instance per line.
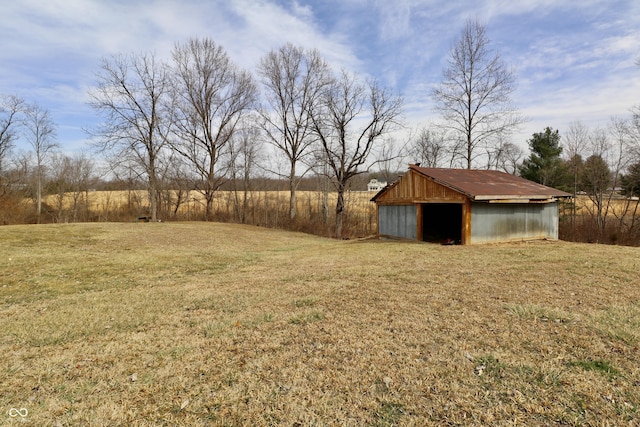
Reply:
x=467 y=207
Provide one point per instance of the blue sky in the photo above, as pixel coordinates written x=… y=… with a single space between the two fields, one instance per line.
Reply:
x=575 y=60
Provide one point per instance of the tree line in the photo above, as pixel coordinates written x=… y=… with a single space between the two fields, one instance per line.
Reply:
x=199 y=115
x=197 y=122
x=600 y=166
x=199 y=119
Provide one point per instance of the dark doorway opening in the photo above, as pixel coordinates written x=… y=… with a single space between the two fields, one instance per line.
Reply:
x=442 y=222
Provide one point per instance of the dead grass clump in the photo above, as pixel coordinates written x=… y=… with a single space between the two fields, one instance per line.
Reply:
x=200 y=324
x=539 y=313
x=620 y=322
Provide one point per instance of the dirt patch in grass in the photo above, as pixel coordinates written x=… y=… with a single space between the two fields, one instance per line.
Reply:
x=200 y=324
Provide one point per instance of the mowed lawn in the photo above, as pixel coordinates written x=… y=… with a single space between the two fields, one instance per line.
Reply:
x=198 y=324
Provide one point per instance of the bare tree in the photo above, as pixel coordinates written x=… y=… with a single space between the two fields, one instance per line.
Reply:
x=81 y=178
x=69 y=181
x=602 y=172
x=40 y=133
x=350 y=122
x=245 y=151
x=10 y=109
x=429 y=148
x=212 y=96
x=15 y=189
x=504 y=156
x=620 y=131
x=130 y=94
x=474 y=96
x=391 y=157
x=293 y=80
x=621 y=134
x=634 y=129
x=179 y=180
x=59 y=185
x=596 y=178
x=576 y=139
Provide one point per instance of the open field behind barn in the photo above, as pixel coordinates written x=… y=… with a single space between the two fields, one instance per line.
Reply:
x=197 y=324
x=264 y=208
x=193 y=206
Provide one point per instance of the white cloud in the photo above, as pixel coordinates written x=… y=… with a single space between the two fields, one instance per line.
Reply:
x=574 y=60
x=394 y=19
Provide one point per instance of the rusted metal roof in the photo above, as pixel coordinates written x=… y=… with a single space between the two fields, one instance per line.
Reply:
x=489 y=184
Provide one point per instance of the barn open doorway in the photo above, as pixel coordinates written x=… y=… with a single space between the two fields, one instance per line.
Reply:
x=442 y=222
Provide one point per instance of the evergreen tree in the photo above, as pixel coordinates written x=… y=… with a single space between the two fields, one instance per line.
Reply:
x=544 y=164
x=631 y=181
x=596 y=175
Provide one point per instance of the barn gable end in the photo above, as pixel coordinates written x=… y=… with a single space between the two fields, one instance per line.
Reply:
x=413 y=187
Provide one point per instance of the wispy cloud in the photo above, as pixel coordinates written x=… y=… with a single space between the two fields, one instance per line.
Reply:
x=574 y=61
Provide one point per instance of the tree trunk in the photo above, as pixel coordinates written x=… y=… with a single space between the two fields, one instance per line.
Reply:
x=325 y=206
x=469 y=152
x=208 y=212
x=153 y=189
x=39 y=196
x=339 y=213
x=292 y=192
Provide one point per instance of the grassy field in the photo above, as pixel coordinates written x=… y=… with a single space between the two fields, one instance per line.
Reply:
x=263 y=208
x=106 y=201
x=198 y=324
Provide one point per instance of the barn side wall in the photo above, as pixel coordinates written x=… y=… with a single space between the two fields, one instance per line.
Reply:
x=398 y=221
x=503 y=222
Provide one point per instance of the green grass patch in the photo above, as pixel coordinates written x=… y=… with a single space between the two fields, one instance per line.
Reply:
x=388 y=414
x=599 y=366
x=489 y=366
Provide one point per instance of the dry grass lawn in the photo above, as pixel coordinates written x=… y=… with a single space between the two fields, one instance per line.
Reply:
x=198 y=324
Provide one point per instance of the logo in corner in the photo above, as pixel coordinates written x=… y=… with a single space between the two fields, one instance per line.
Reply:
x=22 y=412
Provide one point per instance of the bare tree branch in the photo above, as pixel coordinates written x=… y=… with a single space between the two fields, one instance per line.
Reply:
x=130 y=95
x=10 y=109
x=474 y=96
x=212 y=96
x=293 y=81
x=349 y=122
x=40 y=133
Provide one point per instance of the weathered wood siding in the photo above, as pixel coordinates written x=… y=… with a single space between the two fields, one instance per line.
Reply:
x=416 y=188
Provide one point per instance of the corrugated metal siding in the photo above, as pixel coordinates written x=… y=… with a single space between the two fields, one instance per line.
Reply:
x=397 y=221
x=501 y=222
x=416 y=188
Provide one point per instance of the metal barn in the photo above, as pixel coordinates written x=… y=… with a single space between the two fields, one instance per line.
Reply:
x=466 y=206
